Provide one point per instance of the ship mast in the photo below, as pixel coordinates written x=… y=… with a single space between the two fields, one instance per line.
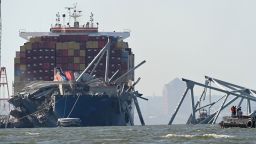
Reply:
x=76 y=14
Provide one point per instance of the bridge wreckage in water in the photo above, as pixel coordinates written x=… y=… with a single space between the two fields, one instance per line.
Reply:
x=203 y=110
x=95 y=101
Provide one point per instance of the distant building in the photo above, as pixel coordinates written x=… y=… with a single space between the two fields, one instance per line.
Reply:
x=172 y=93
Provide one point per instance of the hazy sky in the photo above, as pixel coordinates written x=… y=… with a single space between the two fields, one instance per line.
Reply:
x=178 y=38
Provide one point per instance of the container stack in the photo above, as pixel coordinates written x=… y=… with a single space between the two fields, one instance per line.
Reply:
x=37 y=58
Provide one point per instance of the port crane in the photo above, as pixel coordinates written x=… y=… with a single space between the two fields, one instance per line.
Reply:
x=4 y=89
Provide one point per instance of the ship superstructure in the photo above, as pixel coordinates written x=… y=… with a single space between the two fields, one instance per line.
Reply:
x=71 y=47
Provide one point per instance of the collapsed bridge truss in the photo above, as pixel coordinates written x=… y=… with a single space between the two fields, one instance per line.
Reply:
x=231 y=91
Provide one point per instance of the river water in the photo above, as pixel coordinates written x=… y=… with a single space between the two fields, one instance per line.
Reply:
x=187 y=134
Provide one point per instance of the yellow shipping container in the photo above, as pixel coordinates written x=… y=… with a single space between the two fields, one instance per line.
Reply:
x=35 y=39
x=59 y=45
x=122 y=44
x=73 y=45
x=82 y=53
x=76 y=60
x=23 y=67
x=28 y=45
x=16 y=60
x=92 y=44
x=23 y=48
x=70 y=52
x=82 y=67
x=16 y=78
x=68 y=45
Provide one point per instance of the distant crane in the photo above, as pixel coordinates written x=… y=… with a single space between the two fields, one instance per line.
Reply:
x=4 y=89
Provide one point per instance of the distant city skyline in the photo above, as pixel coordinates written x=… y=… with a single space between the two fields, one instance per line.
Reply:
x=177 y=38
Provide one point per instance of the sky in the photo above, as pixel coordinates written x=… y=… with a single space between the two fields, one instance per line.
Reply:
x=177 y=38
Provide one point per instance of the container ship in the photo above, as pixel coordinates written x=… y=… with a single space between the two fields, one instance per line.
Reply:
x=74 y=71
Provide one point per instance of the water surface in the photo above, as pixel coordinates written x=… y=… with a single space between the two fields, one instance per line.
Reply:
x=188 y=134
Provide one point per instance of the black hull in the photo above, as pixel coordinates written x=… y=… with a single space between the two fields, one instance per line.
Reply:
x=95 y=110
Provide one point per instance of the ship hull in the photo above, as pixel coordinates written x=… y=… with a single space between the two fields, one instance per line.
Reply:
x=95 y=110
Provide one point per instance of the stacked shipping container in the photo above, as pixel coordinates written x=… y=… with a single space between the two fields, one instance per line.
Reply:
x=38 y=57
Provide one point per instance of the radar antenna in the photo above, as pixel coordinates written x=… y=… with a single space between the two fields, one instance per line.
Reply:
x=75 y=13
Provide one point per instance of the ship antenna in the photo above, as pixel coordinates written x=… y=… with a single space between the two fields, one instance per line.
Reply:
x=58 y=19
x=69 y=14
x=91 y=19
x=75 y=15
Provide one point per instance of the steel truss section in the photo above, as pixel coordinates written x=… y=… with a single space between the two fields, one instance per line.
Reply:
x=228 y=89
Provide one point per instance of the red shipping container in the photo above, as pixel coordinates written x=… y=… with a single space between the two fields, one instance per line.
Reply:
x=65 y=52
x=22 y=55
x=17 y=54
x=23 y=60
x=46 y=65
x=76 y=67
x=82 y=60
x=70 y=59
x=70 y=67
x=102 y=43
x=76 y=53
x=35 y=45
x=59 y=53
